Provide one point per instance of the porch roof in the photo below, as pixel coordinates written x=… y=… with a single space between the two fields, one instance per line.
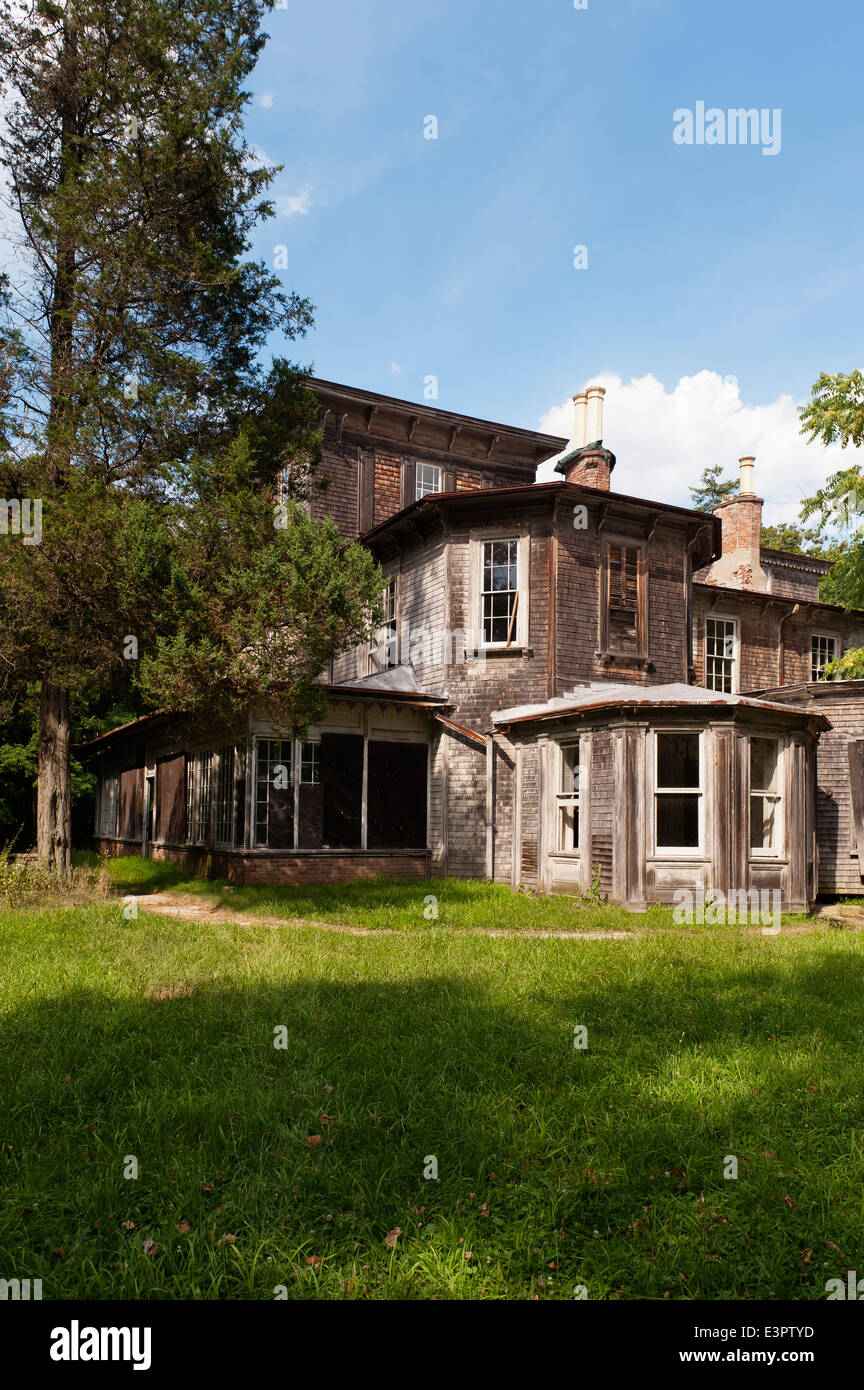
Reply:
x=616 y=695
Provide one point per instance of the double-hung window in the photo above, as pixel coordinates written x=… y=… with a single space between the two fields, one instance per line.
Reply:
x=567 y=798
x=823 y=648
x=765 y=795
x=721 y=642
x=384 y=652
x=499 y=592
x=678 y=792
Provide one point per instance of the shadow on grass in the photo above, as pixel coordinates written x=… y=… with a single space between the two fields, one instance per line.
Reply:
x=603 y=1165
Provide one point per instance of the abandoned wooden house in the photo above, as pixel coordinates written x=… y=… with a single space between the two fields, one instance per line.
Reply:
x=572 y=685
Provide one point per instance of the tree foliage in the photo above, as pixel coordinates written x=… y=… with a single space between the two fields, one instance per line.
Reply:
x=712 y=489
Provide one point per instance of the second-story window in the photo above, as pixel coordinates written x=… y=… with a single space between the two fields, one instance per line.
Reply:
x=721 y=641
x=500 y=592
x=623 y=611
x=822 y=650
x=384 y=652
x=428 y=479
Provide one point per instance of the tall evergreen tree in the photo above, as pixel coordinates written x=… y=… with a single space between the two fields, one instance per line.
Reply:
x=143 y=320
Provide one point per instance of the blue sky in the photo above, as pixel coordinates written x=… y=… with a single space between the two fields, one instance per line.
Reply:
x=454 y=256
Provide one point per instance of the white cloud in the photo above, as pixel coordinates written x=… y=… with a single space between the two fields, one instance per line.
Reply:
x=294 y=204
x=663 y=440
x=265 y=99
x=395 y=368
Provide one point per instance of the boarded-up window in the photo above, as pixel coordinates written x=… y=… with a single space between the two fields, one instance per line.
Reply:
x=623 y=563
x=397 y=795
x=342 y=789
x=624 y=606
x=171 y=800
x=131 y=804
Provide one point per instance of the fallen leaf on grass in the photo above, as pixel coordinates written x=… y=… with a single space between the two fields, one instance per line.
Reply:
x=227 y=1239
x=183 y=1227
x=313 y=1139
x=128 y=1226
x=314 y=1260
x=149 y=1247
x=393 y=1237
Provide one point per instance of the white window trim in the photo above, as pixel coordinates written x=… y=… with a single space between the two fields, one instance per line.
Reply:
x=521 y=627
x=825 y=636
x=736 y=657
x=429 y=492
x=664 y=852
x=777 y=850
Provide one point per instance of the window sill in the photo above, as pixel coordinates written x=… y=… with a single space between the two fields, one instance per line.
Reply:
x=624 y=659
x=514 y=650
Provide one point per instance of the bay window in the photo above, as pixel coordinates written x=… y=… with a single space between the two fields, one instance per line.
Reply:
x=678 y=791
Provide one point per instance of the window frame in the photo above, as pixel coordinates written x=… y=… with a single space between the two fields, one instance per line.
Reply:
x=386 y=639
x=261 y=733
x=519 y=638
x=564 y=799
x=776 y=850
x=698 y=850
x=819 y=636
x=734 y=659
x=256 y=781
x=205 y=785
x=608 y=645
x=419 y=493
x=108 y=809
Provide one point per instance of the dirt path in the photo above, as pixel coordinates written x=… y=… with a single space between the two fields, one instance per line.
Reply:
x=195 y=910
x=848 y=916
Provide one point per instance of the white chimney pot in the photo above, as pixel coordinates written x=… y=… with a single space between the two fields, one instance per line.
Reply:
x=747 y=465
x=580 y=406
x=594 y=420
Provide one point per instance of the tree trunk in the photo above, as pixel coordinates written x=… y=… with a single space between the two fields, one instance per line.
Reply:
x=54 y=803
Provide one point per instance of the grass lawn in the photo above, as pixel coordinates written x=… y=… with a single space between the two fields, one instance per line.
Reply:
x=557 y=1166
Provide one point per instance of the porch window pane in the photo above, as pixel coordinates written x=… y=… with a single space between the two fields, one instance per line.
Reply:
x=274 y=794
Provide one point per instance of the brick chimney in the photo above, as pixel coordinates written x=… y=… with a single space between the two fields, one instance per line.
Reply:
x=586 y=461
x=740 y=565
